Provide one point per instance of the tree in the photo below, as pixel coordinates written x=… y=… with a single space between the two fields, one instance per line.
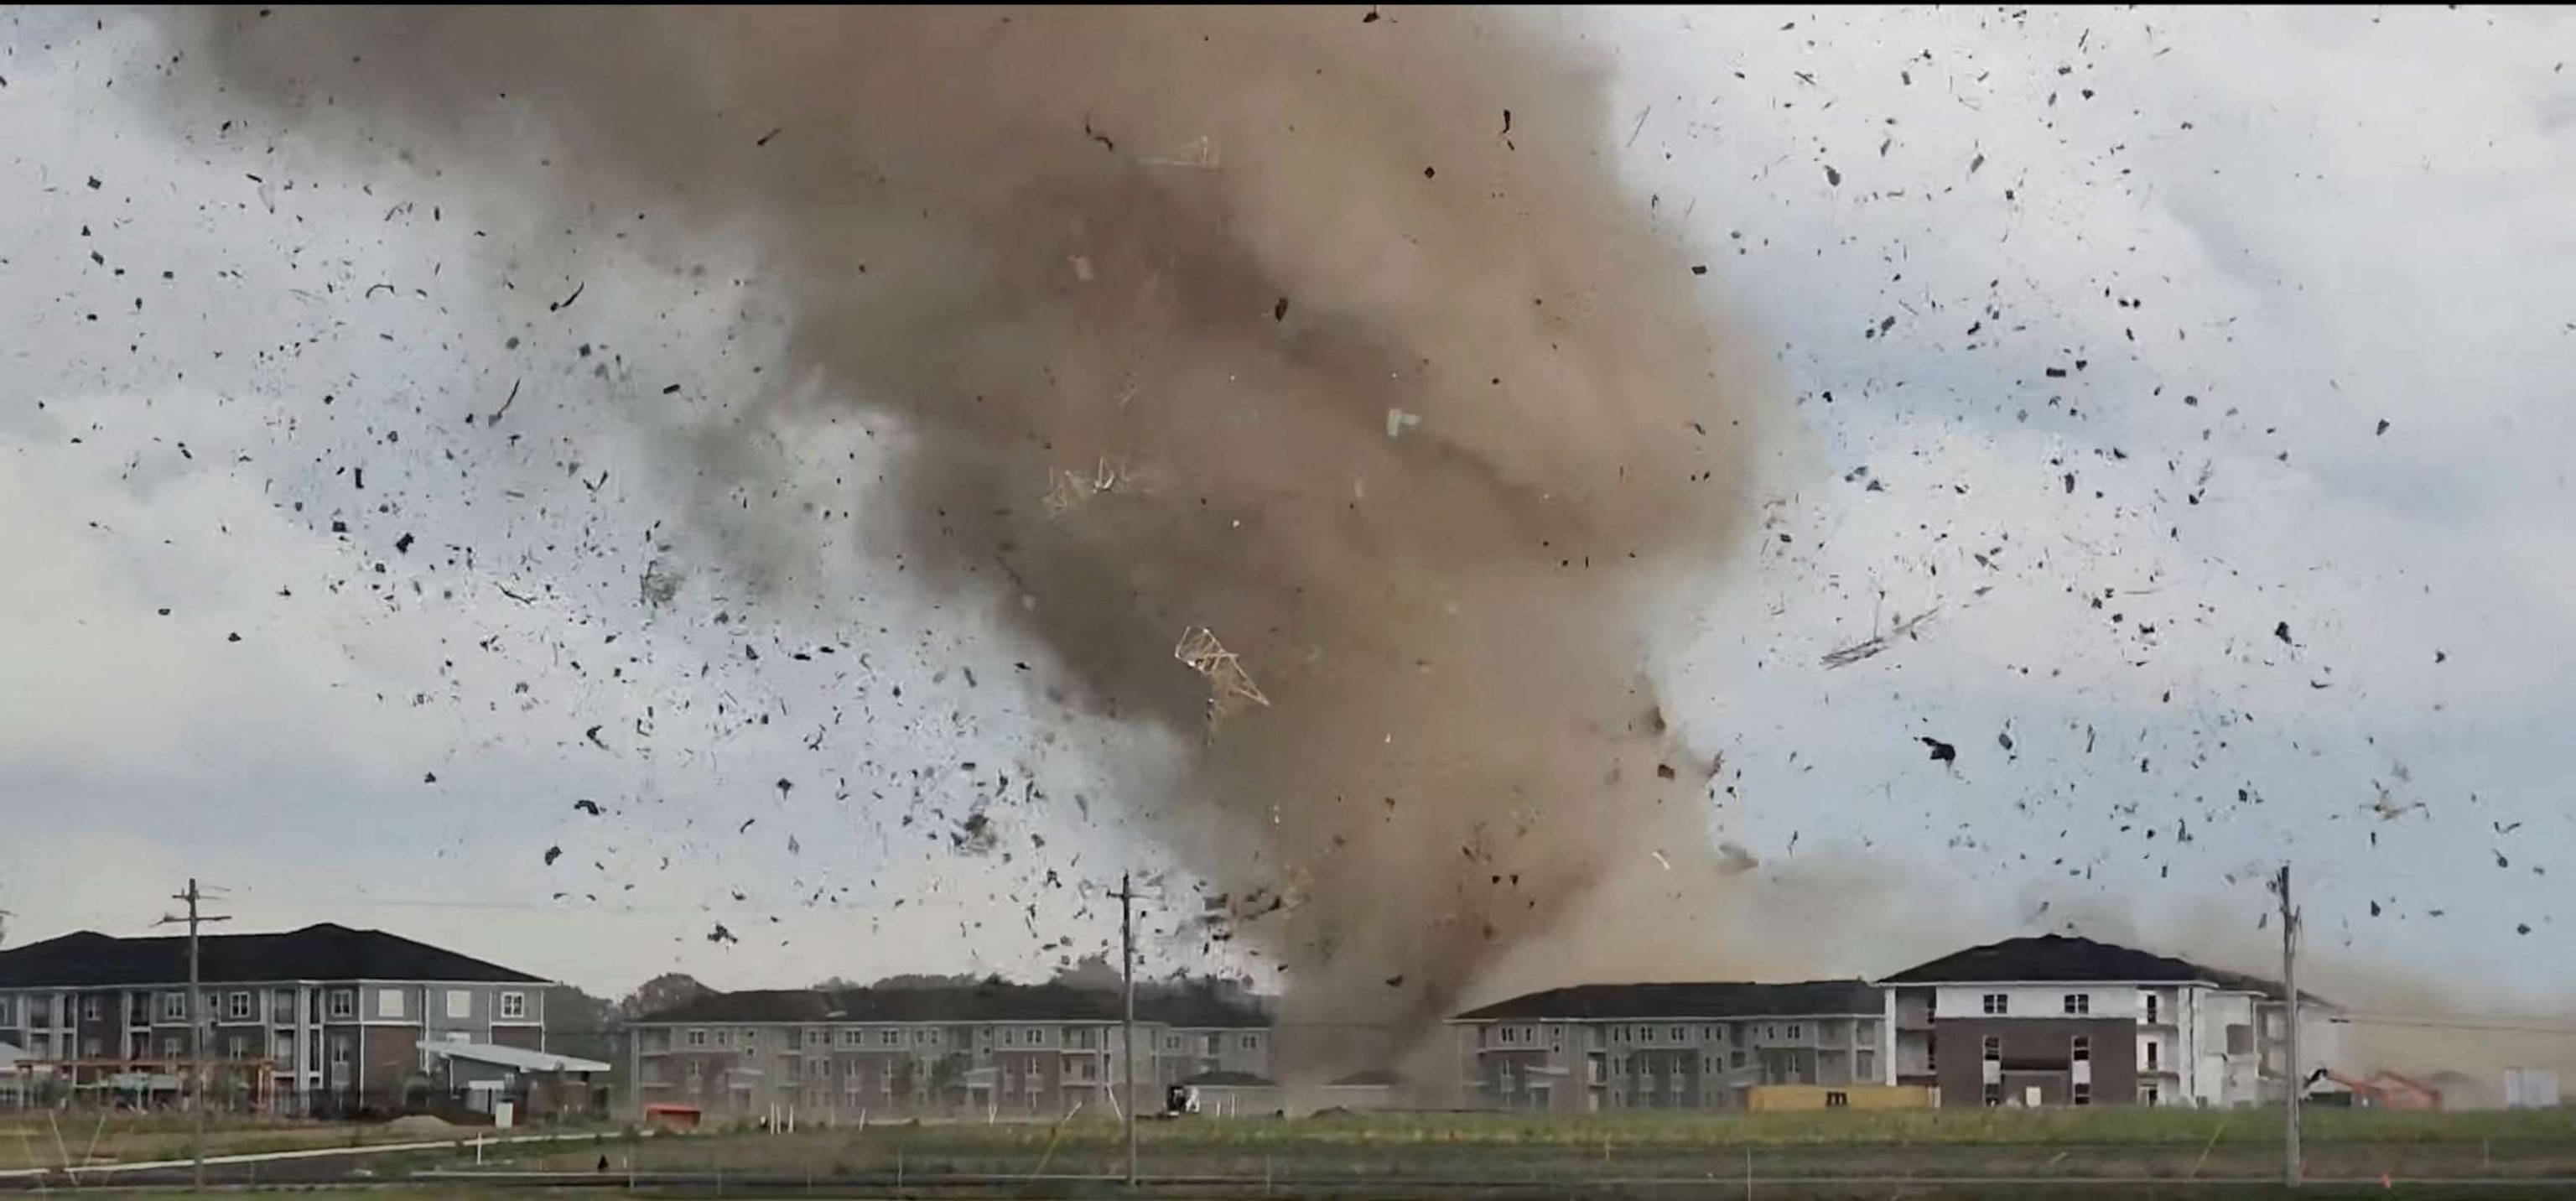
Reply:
x=660 y=993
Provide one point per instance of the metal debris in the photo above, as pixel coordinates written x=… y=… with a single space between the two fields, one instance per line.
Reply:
x=1875 y=643
x=1230 y=687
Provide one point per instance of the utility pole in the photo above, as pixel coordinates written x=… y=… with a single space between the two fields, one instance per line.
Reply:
x=1127 y=968
x=2290 y=1166
x=197 y=1025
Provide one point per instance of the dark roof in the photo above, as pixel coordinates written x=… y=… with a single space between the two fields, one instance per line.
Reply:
x=1237 y=1079
x=1372 y=1078
x=992 y=1001
x=324 y=952
x=2064 y=958
x=1595 y=1002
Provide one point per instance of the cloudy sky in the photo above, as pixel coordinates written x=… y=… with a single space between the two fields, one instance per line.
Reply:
x=2199 y=380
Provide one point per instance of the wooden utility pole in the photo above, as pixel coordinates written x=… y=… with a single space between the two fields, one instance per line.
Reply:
x=197 y=1026
x=2290 y=1167
x=1127 y=962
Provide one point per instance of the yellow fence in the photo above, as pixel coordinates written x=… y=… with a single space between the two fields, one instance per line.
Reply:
x=1777 y=1097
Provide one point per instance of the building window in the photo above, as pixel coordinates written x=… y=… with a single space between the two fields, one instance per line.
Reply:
x=460 y=1004
x=1998 y=1004
x=93 y=1048
x=340 y=1049
x=1680 y=1035
x=850 y=1038
x=2240 y=1039
x=2078 y=1003
x=2080 y=1049
x=174 y=1007
x=1796 y=1033
x=1036 y=1036
x=1742 y=1057
x=169 y=1048
x=1994 y=1049
x=697 y=1038
x=1865 y=1065
x=90 y=1009
x=2083 y=1093
x=2154 y=1048
x=1994 y=1095
x=2152 y=1006
x=1837 y=1100
x=1010 y=1037
x=724 y=1038
x=237 y=1009
x=750 y=1038
x=236 y=1047
x=892 y=1038
x=8 y=1011
x=1931 y=1052
x=514 y=1006
x=1252 y=1042
x=1171 y=1042
x=2148 y=1095
x=389 y=1003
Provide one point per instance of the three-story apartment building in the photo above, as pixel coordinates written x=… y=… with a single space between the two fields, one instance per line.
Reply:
x=987 y=1048
x=322 y=1020
x=2060 y=1020
x=1671 y=1046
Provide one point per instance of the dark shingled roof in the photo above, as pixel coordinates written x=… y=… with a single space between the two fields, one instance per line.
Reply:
x=324 y=952
x=2067 y=959
x=992 y=1001
x=1597 y=1002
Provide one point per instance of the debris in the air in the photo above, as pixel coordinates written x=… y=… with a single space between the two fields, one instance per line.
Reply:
x=593 y=735
x=588 y=806
x=513 y=398
x=1429 y=173
x=1942 y=752
x=1279 y=311
x=1664 y=771
x=93 y=183
x=2383 y=425
x=232 y=637
x=1875 y=643
x=1833 y=177
x=2282 y=632
x=1699 y=268
x=720 y=934
x=402 y=545
x=745 y=827
x=1230 y=687
x=763 y=139
x=2004 y=740
x=1398 y=421
x=1659 y=858
x=2522 y=928
x=429 y=777
x=1371 y=17
x=566 y=302
x=1395 y=981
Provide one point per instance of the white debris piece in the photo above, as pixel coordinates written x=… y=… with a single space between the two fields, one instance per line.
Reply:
x=1397 y=421
x=1230 y=687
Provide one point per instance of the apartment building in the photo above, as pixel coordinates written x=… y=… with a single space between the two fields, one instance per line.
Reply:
x=322 y=1020
x=991 y=1048
x=1672 y=1046
x=2061 y=1020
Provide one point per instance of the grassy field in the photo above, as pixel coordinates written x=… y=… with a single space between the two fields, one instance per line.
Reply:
x=2071 y=1143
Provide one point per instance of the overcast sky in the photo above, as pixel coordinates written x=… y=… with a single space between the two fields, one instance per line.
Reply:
x=2205 y=376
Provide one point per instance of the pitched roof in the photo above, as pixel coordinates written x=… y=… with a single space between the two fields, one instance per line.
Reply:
x=1594 y=1002
x=324 y=952
x=991 y=1001
x=2064 y=958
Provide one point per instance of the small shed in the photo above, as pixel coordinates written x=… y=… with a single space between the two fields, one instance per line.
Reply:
x=538 y=1084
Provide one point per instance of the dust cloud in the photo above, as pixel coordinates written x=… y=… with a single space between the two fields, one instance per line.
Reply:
x=1334 y=335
